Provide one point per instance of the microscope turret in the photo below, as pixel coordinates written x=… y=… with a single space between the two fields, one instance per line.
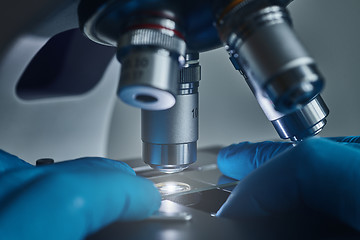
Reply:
x=152 y=38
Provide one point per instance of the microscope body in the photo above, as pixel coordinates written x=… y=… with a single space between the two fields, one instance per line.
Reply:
x=152 y=41
x=259 y=39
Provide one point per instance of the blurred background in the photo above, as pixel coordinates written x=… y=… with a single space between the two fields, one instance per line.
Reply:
x=95 y=123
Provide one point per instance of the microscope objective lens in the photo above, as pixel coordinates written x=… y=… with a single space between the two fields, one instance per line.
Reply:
x=146 y=98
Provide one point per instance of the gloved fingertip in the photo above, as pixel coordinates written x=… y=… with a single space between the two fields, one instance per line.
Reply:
x=9 y=161
x=231 y=162
x=238 y=160
x=232 y=150
x=119 y=165
x=347 y=139
x=93 y=163
x=144 y=200
x=152 y=191
x=155 y=200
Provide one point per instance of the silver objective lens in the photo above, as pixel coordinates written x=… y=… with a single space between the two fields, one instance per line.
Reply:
x=170 y=136
x=150 y=50
x=304 y=122
x=299 y=123
x=263 y=43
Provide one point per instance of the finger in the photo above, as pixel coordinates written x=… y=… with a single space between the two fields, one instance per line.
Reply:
x=319 y=174
x=11 y=181
x=352 y=141
x=9 y=161
x=349 y=139
x=76 y=204
x=238 y=160
x=90 y=163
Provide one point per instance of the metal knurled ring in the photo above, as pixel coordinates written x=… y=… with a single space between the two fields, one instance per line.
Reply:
x=152 y=37
x=190 y=74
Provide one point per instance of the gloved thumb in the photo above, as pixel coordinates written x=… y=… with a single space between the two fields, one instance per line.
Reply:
x=8 y=162
x=76 y=203
x=238 y=160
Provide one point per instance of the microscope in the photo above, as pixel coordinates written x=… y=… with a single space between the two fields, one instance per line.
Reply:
x=158 y=44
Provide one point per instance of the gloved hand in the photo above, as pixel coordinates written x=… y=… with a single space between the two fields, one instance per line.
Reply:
x=71 y=199
x=319 y=175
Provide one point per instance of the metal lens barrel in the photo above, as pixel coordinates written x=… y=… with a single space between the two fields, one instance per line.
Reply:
x=278 y=70
x=151 y=52
x=170 y=136
x=264 y=43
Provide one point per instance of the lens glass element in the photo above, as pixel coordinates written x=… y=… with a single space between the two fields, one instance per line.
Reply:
x=167 y=188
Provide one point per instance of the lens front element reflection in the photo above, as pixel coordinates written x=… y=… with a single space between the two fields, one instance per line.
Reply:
x=167 y=188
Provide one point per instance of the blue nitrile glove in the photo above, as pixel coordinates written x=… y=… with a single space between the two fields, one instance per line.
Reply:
x=71 y=199
x=321 y=175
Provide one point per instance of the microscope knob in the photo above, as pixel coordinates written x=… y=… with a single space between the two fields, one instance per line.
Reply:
x=190 y=74
x=191 y=71
x=151 y=37
x=44 y=161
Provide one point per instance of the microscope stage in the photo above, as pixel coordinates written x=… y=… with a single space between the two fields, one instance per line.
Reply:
x=192 y=197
